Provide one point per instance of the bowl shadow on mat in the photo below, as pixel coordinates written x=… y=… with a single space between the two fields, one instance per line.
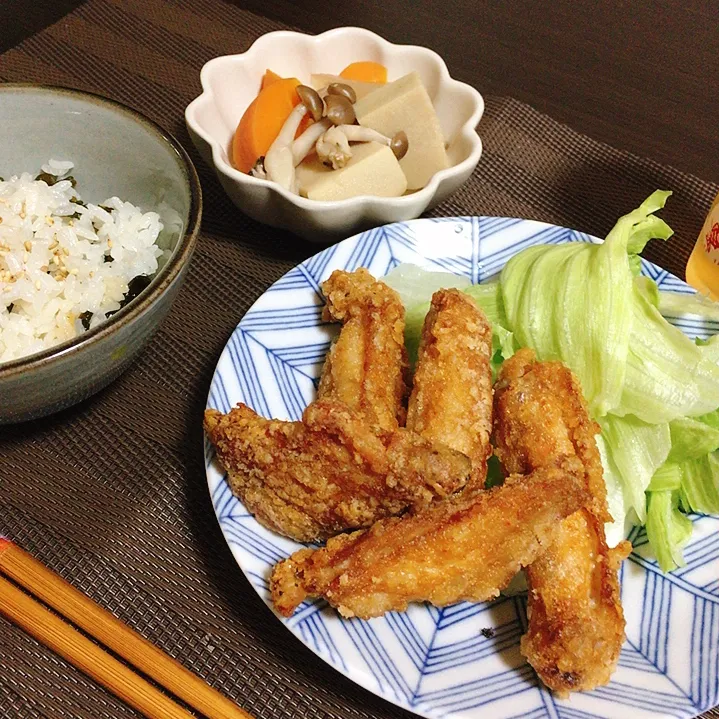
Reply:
x=226 y=223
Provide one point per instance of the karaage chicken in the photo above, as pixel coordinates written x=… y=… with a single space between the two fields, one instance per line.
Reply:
x=576 y=623
x=465 y=547
x=451 y=400
x=330 y=472
x=366 y=367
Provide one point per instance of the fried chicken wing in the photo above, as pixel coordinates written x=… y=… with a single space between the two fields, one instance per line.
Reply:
x=465 y=547
x=576 y=623
x=366 y=367
x=451 y=400
x=330 y=472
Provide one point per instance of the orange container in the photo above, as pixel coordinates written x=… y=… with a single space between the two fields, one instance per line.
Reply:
x=703 y=266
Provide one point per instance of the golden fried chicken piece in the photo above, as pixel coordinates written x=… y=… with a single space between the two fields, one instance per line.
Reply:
x=465 y=547
x=366 y=367
x=451 y=400
x=312 y=479
x=576 y=623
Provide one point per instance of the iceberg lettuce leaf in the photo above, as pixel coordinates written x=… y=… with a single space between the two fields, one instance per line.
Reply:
x=691 y=439
x=668 y=530
x=413 y=321
x=574 y=302
x=710 y=418
x=488 y=295
x=637 y=449
x=667 y=477
x=667 y=375
x=676 y=304
x=618 y=502
x=636 y=228
x=700 y=484
x=552 y=299
x=415 y=285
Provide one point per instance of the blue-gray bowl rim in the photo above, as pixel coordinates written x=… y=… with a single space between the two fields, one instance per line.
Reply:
x=167 y=274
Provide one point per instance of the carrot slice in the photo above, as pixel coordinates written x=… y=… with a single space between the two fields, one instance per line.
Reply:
x=366 y=71
x=269 y=78
x=263 y=121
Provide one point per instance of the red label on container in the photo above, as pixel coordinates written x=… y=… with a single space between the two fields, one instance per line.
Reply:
x=711 y=240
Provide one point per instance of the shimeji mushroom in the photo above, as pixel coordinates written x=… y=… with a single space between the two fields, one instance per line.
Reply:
x=279 y=165
x=330 y=136
x=336 y=110
x=333 y=147
x=339 y=110
x=258 y=169
x=305 y=143
x=339 y=88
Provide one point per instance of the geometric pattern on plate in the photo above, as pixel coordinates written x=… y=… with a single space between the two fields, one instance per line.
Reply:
x=439 y=662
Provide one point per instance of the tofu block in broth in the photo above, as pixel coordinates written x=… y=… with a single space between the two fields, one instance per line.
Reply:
x=405 y=105
x=372 y=170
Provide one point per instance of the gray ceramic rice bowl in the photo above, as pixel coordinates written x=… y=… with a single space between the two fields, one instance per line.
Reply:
x=116 y=152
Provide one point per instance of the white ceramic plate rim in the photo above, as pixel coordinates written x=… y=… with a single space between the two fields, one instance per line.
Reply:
x=356 y=674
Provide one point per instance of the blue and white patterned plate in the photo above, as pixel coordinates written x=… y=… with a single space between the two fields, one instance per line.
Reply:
x=439 y=662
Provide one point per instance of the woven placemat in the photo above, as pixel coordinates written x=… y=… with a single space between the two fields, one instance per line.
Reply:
x=112 y=493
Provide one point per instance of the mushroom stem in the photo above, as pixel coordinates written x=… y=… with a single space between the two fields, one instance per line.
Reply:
x=333 y=148
x=358 y=133
x=305 y=143
x=279 y=162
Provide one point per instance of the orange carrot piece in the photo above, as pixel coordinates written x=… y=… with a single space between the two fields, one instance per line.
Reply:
x=366 y=71
x=263 y=121
x=269 y=78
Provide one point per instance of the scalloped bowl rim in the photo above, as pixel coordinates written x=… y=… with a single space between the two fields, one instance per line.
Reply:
x=467 y=129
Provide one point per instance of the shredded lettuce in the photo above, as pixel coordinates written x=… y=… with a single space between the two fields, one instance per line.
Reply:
x=653 y=391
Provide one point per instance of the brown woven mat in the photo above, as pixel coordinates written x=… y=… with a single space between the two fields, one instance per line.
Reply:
x=112 y=493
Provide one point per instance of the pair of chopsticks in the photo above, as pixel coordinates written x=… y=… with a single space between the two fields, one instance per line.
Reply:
x=57 y=634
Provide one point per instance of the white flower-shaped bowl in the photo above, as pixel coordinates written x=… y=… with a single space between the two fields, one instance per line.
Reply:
x=231 y=82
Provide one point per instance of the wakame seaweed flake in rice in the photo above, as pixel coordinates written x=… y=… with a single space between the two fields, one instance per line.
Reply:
x=66 y=265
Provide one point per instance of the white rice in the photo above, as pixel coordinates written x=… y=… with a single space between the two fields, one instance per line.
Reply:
x=52 y=259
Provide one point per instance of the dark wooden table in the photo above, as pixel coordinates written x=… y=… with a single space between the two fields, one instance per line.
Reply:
x=640 y=76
